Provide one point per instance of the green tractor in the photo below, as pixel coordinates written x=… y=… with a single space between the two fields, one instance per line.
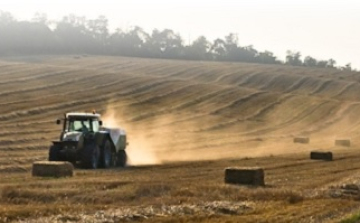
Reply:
x=83 y=140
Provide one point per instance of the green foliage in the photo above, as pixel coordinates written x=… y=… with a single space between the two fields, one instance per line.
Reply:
x=353 y=219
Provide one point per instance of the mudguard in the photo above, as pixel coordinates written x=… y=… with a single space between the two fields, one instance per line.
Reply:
x=117 y=136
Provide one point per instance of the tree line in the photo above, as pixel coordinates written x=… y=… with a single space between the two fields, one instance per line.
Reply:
x=78 y=35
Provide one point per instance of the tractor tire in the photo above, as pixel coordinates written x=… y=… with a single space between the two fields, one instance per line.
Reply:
x=107 y=156
x=121 y=158
x=54 y=153
x=90 y=156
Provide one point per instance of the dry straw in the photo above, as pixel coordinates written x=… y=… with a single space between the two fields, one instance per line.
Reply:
x=52 y=169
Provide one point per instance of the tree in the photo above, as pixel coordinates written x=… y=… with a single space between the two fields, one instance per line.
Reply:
x=219 y=49
x=165 y=44
x=322 y=63
x=266 y=57
x=74 y=37
x=310 y=62
x=247 y=54
x=40 y=18
x=98 y=29
x=230 y=50
x=24 y=37
x=6 y=18
x=199 y=49
x=233 y=51
x=7 y=33
x=293 y=58
x=331 y=63
x=131 y=43
x=231 y=44
x=348 y=67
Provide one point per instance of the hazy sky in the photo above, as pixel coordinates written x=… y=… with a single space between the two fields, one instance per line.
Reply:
x=319 y=28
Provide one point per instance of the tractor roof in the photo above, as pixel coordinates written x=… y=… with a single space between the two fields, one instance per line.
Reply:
x=82 y=114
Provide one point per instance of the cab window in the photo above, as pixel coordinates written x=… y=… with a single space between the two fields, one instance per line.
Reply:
x=95 y=125
x=79 y=126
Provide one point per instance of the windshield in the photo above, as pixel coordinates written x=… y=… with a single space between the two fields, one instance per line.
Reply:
x=82 y=125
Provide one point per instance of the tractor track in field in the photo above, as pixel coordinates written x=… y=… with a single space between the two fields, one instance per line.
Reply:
x=229 y=114
x=182 y=79
x=147 y=87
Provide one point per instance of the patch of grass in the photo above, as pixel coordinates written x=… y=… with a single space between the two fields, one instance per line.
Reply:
x=352 y=219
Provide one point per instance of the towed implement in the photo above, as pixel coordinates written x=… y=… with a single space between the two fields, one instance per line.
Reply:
x=84 y=140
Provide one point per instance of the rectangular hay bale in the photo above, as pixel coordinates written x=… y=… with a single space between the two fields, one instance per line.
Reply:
x=304 y=140
x=318 y=155
x=342 y=142
x=245 y=175
x=52 y=169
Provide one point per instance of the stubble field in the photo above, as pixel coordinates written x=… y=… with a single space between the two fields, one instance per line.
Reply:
x=186 y=122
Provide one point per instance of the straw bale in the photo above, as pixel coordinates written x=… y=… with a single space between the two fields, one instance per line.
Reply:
x=318 y=155
x=303 y=140
x=245 y=175
x=52 y=169
x=342 y=142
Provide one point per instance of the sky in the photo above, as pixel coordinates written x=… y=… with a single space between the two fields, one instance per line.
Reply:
x=319 y=28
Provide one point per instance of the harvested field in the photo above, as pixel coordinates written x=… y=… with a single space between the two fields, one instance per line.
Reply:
x=186 y=122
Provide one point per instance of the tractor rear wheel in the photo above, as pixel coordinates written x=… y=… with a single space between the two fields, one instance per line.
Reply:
x=121 y=158
x=107 y=155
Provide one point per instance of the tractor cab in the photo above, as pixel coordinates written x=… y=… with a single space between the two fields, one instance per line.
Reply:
x=75 y=123
x=82 y=122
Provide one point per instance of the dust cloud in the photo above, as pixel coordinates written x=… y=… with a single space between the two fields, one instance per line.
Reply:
x=160 y=139
x=140 y=150
x=155 y=140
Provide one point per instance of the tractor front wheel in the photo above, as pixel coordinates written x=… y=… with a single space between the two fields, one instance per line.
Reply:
x=91 y=156
x=54 y=153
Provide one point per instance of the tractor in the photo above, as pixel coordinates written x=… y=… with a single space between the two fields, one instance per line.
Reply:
x=84 y=140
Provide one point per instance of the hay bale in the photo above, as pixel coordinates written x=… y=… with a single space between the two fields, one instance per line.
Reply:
x=342 y=142
x=52 y=169
x=317 y=155
x=304 y=140
x=245 y=175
